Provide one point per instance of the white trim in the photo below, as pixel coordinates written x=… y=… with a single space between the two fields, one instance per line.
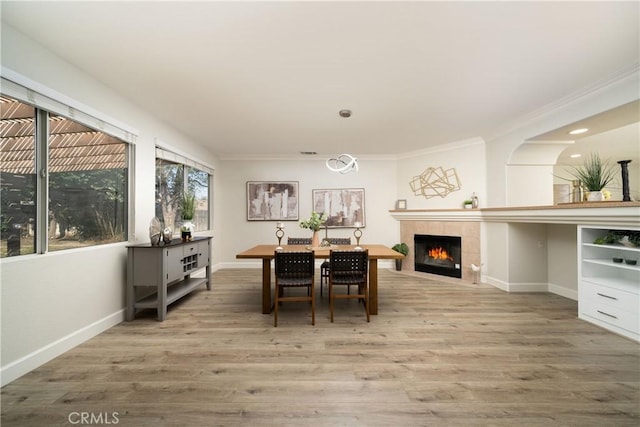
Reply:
x=443 y=147
x=34 y=93
x=527 y=287
x=37 y=358
x=563 y=291
x=167 y=152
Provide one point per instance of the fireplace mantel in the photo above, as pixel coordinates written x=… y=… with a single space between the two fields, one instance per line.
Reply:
x=607 y=213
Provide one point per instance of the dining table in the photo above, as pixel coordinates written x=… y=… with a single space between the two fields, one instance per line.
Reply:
x=266 y=253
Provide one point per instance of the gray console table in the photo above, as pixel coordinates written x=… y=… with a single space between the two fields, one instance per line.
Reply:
x=160 y=275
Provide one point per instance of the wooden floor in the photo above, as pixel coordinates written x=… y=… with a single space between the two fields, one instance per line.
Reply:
x=438 y=354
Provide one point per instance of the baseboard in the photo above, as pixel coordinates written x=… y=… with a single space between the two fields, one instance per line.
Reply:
x=528 y=287
x=563 y=291
x=517 y=287
x=26 y=364
x=500 y=284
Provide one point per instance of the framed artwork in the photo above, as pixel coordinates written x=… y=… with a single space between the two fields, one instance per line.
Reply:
x=343 y=206
x=272 y=201
x=401 y=204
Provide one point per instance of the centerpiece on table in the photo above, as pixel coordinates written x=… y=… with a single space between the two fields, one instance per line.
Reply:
x=314 y=223
x=594 y=175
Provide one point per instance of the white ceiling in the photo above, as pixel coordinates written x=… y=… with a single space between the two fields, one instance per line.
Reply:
x=253 y=78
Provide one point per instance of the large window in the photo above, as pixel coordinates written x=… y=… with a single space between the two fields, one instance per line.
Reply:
x=63 y=184
x=174 y=182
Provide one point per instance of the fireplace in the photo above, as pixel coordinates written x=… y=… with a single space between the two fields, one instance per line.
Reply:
x=438 y=254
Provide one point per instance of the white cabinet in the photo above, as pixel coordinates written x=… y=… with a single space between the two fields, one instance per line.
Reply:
x=609 y=291
x=160 y=275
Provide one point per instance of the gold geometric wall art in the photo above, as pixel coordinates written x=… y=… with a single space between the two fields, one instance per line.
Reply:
x=435 y=182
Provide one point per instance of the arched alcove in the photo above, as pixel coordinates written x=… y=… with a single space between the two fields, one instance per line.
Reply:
x=544 y=160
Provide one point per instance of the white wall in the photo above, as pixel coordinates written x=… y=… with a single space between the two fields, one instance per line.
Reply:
x=468 y=158
x=562 y=260
x=376 y=176
x=52 y=302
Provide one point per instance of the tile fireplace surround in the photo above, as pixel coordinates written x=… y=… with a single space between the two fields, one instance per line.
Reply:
x=467 y=223
x=469 y=231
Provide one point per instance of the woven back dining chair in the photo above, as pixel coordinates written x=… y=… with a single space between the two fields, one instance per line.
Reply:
x=294 y=270
x=324 y=267
x=298 y=240
x=349 y=268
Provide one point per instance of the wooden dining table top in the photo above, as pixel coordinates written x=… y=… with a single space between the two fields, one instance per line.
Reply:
x=267 y=251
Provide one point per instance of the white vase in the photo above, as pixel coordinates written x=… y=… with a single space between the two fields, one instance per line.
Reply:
x=595 y=196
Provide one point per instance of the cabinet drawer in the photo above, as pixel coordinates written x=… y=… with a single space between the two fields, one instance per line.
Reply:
x=611 y=315
x=190 y=249
x=610 y=297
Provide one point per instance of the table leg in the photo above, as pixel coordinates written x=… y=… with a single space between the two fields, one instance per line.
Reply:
x=266 y=286
x=373 y=286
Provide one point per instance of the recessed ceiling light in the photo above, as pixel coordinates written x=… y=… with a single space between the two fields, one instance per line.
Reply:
x=574 y=156
x=345 y=113
x=578 y=131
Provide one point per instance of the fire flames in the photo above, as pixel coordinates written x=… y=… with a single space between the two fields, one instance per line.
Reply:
x=439 y=253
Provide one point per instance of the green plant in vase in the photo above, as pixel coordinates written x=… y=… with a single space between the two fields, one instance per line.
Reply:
x=594 y=175
x=314 y=223
x=188 y=212
x=402 y=248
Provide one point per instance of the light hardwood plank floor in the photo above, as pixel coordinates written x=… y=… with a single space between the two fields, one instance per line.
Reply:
x=438 y=354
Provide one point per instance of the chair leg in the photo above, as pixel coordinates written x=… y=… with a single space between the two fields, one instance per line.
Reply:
x=313 y=306
x=366 y=301
x=275 y=307
x=331 y=300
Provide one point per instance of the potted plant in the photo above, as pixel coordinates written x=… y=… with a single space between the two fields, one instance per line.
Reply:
x=188 y=212
x=404 y=250
x=594 y=175
x=314 y=223
x=468 y=204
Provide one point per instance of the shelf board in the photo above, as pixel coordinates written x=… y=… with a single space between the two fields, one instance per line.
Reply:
x=620 y=283
x=610 y=263
x=174 y=292
x=615 y=247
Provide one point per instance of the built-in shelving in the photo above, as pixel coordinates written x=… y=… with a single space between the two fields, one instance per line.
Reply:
x=609 y=292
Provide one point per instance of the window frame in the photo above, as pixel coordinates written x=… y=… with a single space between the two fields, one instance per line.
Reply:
x=45 y=102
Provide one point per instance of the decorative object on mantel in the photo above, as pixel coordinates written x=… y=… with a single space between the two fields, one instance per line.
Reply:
x=625 y=179
x=468 y=204
x=402 y=248
x=314 y=223
x=435 y=182
x=401 y=204
x=595 y=174
x=577 y=191
x=474 y=201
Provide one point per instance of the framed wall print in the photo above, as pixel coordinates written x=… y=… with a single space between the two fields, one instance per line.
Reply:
x=272 y=201
x=401 y=204
x=344 y=206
